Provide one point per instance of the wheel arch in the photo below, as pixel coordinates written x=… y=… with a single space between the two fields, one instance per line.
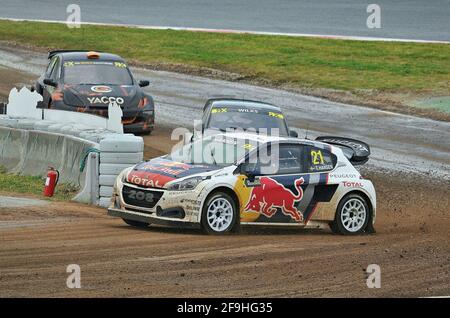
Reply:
x=222 y=188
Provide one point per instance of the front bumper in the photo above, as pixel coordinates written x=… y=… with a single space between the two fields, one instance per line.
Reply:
x=146 y=218
x=165 y=207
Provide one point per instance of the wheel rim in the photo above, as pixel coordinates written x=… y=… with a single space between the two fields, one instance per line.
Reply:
x=220 y=214
x=353 y=215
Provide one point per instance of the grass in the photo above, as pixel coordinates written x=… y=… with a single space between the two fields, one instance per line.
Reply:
x=311 y=63
x=33 y=185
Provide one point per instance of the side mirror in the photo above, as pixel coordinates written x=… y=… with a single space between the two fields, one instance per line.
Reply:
x=144 y=83
x=50 y=82
x=188 y=138
x=249 y=170
x=293 y=133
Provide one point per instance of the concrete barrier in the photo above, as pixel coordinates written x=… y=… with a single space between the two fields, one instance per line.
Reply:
x=31 y=139
x=30 y=152
x=29 y=146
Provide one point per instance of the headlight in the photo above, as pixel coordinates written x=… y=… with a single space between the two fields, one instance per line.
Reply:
x=187 y=184
x=123 y=174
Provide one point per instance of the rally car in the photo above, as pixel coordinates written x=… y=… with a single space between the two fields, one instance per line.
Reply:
x=222 y=115
x=89 y=81
x=225 y=114
x=223 y=181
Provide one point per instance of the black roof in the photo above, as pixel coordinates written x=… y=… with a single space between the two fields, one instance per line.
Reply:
x=235 y=102
x=81 y=55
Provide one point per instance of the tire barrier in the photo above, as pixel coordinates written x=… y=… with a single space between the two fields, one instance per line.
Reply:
x=117 y=154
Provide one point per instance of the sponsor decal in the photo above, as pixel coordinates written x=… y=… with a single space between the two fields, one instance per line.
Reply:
x=172 y=168
x=317 y=161
x=343 y=176
x=249 y=146
x=276 y=115
x=148 y=180
x=271 y=195
x=219 y=110
x=74 y=63
x=101 y=89
x=351 y=184
x=120 y=64
x=247 y=110
x=106 y=100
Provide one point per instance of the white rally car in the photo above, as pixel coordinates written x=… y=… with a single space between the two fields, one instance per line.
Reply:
x=221 y=182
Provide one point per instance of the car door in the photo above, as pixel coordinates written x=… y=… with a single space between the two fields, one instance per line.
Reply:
x=278 y=187
x=289 y=190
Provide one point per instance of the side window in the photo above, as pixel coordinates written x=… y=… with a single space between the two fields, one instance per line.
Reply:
x=285 y=159
x=50 y=66
x=55 y=71
x=205 y=114
x=291 y=159
x=320 y=160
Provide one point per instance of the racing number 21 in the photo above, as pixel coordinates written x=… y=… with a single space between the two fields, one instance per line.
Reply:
x=317 y=157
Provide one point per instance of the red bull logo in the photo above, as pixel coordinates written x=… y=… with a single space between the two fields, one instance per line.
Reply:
x=271 y=195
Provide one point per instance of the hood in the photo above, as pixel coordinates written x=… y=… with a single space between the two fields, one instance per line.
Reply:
x=159 y=171
x=100 y=96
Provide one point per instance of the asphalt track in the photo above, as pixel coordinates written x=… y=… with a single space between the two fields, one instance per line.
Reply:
x=403 y=19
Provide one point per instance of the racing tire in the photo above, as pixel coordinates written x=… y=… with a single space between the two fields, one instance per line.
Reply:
x=352 y=215
x=219 y=214
x=136 y=223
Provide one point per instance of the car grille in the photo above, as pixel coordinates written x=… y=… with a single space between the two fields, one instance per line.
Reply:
x=141 y=197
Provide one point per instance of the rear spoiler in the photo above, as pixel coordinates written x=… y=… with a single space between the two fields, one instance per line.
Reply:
x=356 y=151
x=54 y=52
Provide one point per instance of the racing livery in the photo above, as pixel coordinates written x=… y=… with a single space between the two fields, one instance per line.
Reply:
x=221 y=181
x=89 y=81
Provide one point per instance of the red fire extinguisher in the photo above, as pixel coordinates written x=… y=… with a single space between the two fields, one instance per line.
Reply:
x=51 y=181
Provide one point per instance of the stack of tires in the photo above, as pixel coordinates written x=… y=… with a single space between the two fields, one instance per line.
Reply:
x=117 y=153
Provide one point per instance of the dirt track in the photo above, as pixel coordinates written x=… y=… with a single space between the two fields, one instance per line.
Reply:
x=411 y=246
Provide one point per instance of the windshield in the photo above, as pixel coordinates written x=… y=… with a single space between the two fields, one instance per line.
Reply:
x=251 y=119
x=218 y=150
x=96 y=73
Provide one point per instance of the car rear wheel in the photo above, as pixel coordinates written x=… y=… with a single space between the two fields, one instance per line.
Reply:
x=220 y=214
x=136 y=223
x=352 y=215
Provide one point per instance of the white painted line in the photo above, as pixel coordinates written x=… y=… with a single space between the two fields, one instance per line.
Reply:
x=335 y=37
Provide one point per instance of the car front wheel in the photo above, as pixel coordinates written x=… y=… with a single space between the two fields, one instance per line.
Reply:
x=352 y=215
x=220 y=213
